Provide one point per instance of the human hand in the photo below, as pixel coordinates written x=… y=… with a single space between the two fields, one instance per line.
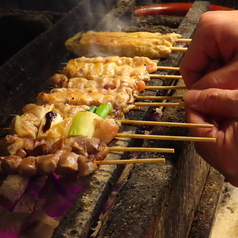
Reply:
x=218 y=107
x=212 y=57
x=209 y=69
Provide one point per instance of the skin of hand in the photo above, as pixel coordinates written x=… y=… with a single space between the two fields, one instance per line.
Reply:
x=210 y=71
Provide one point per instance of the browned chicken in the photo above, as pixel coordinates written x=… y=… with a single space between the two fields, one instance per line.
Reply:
x=121 y=98
x=72 y=156
x=92 y=71
x=151 y=45
x=62 y=81
x=151 y=65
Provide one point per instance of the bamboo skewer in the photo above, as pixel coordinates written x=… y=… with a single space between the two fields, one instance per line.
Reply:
x=165 y=87
x=178 y=49
x=159 y=104
x=131 y=161
x=181 y=40
x=165 y=76
x=159 y=97
x=160 y=123
x=162 y=137
x=142 y=149
x=168 y=68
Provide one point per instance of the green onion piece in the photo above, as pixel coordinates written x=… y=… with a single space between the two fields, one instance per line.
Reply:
x=83 y=124
x=93 y=109
x=103 y=110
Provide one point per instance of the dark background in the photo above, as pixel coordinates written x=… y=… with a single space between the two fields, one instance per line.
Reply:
x=21 y=21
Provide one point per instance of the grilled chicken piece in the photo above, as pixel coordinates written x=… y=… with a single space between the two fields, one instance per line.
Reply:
x=64 y=110
x=26 y=125
x=120 y=98
x=85 y=166
x=151 y=65
x=151 y=45
x=62 y=81
x=92 y=71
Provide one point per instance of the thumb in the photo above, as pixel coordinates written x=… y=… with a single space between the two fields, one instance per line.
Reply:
x=213 y=101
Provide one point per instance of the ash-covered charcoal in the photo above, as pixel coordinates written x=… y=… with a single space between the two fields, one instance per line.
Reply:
x=162 y=24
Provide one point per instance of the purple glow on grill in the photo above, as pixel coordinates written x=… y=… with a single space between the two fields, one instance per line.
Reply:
x=51 y=195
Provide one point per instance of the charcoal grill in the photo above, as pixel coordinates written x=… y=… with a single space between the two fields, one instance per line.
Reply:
x=149 y=200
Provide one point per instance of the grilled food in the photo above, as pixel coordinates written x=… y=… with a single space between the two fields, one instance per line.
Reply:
x=46 y=137
x=121 y=98
x=92 y=71
x=152 y=45
x=71 y=156
x=151 y=65
x=62 y=81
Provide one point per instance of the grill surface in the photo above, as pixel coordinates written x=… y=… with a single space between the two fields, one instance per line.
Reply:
x=155 y=200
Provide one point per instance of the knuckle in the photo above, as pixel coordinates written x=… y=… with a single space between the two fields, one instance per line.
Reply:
x=210 y=98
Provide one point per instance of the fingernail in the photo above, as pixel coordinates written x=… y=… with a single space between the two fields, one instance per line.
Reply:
x=191 y=97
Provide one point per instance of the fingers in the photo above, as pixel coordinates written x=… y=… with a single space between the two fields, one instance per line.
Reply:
x=199 y=118
x=225 y=78
x=213 y=46
x=212 y=101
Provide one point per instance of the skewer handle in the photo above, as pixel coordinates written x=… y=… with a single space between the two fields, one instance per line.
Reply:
x=162 y=137
x=159 y=97
x=142 y=149
x=159 y=104
x=131 y=161
x=160 y=123
x=165 y=76
x=165 y=87
x=168 y=68
x=178 y=49
x=180 y=40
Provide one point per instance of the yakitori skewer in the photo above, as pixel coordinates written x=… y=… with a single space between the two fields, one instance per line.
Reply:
x=168 y=68
x=160 y=123
x=141 y=149
x=162 y=137
x=164 y=87
x=166 y=76
x=131 y=161
x=159 y=97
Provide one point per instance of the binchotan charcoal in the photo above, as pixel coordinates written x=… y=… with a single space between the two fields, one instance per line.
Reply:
x=28 y=200
x=12 y=189
x=39 y=225
x=11 y=223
